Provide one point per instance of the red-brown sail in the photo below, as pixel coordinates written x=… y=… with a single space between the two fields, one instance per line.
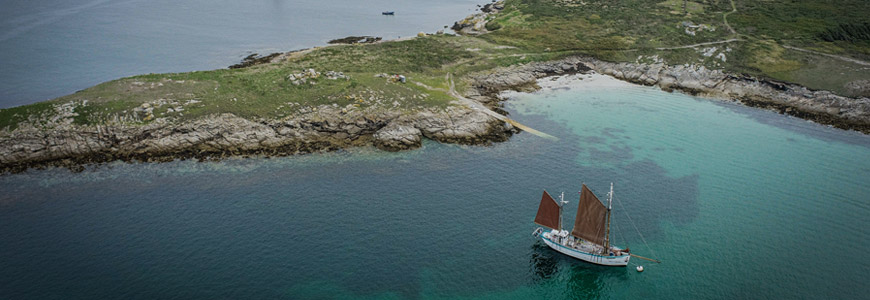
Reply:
x=591 y=216
x=548 y=213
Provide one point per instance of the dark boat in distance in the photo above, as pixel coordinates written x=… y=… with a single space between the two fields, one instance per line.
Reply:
x=388 y=13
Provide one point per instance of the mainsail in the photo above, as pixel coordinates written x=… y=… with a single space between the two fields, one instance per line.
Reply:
x=548 y=213
x=591 y=217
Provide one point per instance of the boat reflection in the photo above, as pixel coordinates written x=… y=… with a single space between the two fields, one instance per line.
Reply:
x=582 y=280
x=543 y=263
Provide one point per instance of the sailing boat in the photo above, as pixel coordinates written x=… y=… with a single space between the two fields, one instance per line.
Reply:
x=590 y=239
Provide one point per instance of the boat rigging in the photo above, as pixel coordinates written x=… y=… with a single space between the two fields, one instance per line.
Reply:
x=589 y=240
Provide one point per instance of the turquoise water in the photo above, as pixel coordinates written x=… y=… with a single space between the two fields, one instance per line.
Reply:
x=736 y=202
x=51 y=48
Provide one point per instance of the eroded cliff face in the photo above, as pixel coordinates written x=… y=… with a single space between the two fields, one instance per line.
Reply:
x=60 y=142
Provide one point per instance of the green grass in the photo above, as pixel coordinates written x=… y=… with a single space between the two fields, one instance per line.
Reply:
x=676 y=7
x=11 y=117
x=263 y=91
x=624 y=30
x=601 y=26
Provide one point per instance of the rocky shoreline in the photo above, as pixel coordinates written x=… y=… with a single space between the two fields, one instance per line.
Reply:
x=822 y=107
x=327 y=128
x=58 y=142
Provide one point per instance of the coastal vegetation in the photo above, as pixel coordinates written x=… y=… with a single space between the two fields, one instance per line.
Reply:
x=525 y=31
x=740 y=36
x=266 y=90
x=819 y=45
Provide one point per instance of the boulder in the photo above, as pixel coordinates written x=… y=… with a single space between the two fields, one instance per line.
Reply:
x=396 y=137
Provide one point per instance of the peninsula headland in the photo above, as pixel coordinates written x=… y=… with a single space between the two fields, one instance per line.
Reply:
x=392 y=94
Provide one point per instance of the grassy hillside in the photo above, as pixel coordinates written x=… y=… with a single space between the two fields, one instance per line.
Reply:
x=637 y=30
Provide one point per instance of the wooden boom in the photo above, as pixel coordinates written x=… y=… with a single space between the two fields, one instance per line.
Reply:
x=646 y=258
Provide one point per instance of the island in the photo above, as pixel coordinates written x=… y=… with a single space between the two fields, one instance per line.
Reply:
x=805 y=59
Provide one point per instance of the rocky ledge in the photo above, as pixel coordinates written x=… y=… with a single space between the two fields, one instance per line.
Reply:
x=820 y=106
x=61 y=143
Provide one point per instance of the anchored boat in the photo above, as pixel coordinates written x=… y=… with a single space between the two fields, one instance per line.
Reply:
x=589 y=240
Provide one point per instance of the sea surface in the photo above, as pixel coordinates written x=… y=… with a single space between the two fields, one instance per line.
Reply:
x=737 y=203
x=51 y=48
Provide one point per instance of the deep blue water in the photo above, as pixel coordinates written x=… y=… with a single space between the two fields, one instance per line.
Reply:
x=736 y=202
x=52 y=48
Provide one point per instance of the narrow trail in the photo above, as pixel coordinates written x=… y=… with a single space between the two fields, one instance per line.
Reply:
x=701 y=44
x=840 y=57
x=725 y=17
x=477 y=106
x=843 y=58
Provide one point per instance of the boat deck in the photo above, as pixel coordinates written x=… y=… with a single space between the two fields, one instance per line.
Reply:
x=582 y=245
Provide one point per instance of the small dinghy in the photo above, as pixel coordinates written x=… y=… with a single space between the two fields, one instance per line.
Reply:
x=388 y=13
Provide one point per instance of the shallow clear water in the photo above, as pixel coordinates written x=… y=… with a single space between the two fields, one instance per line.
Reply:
x=736 y=202
x=54 y=48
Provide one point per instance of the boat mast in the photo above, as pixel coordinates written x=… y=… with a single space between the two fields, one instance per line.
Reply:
x=609 y=206
x=562 y=203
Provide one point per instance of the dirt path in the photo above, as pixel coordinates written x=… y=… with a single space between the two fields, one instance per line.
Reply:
x=840 y=57
x=700 y=44
x=725 y=17
x=843 y=58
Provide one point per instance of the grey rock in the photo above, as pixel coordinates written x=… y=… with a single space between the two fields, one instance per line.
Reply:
x=395 y=137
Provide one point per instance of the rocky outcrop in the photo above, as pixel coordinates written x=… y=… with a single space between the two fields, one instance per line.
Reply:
x=356 y=40
x=476 y=24
x=522 y=78
x=62 y=143
x=254 y=59
x=461 y=125
x=395 y=137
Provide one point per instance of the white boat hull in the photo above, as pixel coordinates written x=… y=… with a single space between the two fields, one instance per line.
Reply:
x=617 y=261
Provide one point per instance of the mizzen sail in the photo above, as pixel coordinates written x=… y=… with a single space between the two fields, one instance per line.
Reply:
x=548 y=213
x=591 y=217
